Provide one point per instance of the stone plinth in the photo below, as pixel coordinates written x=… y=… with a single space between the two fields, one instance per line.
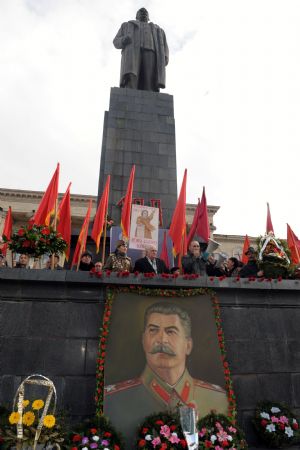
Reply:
x=139 y=129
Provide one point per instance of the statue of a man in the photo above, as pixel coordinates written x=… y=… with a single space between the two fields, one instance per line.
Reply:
x=145 y=53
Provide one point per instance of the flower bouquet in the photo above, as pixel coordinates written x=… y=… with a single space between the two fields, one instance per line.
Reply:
x=272 y=256
x=276 y=424
x=36 y=240
x=95 y=434
x=32 y=423
x=216 y=432
x=161 y=432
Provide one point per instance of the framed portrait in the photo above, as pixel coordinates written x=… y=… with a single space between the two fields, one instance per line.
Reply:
x=161 y=353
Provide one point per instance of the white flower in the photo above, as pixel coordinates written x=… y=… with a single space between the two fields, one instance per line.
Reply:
x=270 y=427
x=106 y=448
x=213 y=438
x=229 y=438
x=148 y=437
x=96 y=438
x=274 y=409
x=294 y=421
x=265 y=415
x=85 y=448
x=289 y=431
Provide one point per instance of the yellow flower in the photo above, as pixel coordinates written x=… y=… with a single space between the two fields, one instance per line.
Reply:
x=14 y=418
x=28 y=418
x=25 y=403
x=49 y=421
x=37 y=404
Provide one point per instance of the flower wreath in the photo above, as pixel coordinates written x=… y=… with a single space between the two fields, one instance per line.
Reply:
x=276 y=424
x=169 y=293
x=161 y=432
x=95 y=433
x=217 y=432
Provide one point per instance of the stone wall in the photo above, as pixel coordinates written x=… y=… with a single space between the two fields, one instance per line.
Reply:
x=49 y=324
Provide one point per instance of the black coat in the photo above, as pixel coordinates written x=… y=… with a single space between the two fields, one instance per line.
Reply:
x=142 y=265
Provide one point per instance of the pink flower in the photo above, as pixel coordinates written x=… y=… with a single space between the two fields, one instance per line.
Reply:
x=165 y=431
x=174 y=439
x=219 y=426
x=232 y=429
x=284 y=419
x=156 y=441
x=222 y=436
x=274 y=419
x=217 y=447
x=202 y=432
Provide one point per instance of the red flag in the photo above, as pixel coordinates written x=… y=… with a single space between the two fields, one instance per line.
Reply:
x=101 y=215
x=294 y=245
x=164 y=251
x=81 y=243
x=126 y=210
x=47 y=206
x=64 y=220
x=177 y=230
x=269 y=220
x=7 y=230
x=200 y=225
x=245 y=248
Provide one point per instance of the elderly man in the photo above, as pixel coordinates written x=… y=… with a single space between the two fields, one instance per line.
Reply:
x=193 y=262
x=150 y=263
x=145 y=53
x=165 y=382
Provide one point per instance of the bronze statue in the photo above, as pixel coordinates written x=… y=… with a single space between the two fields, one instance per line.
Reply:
x=145 y=53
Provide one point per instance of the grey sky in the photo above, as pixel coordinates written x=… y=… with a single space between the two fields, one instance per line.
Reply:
x=234 y=72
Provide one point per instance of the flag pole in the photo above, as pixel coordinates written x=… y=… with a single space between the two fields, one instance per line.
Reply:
x=54 y=228
x=104 y=238
x=81 y=246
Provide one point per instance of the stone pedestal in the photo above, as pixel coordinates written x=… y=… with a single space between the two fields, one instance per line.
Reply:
x=139 y=129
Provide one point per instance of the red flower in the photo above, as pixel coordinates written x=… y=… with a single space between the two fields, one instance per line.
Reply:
x=142 y=443
x=164 y=446
x=76 y=438
x=173 y=427
x=264 y=422
x=107 y=434
x=26 y=244
x=74 y=448
x=225 y=443
x=295 y=426
x=45 y=231
x=159 y=422
x=207 y=444
x=21 y=232
x=282 y=426
x=145 y=430
x=116 y=447
x=93 y=430
x=183 y=443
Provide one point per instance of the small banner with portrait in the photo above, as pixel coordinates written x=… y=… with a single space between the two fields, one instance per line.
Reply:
x=144 y=227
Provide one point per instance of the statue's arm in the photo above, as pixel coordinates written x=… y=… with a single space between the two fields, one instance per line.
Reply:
x=121 y=39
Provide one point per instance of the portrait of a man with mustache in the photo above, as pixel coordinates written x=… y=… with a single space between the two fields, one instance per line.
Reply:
x=165 y=382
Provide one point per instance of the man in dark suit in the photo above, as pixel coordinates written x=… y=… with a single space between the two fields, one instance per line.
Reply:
x=150 y=263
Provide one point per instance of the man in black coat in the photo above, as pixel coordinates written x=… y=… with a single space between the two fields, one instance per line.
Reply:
x=150 y=263
x=251 y=269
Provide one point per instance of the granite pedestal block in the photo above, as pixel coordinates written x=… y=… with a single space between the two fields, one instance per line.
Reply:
x=139 y=129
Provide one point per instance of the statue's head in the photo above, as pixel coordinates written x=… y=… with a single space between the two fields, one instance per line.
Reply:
x=142 y=15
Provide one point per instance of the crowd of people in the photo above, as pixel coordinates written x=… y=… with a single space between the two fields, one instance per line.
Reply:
x=197 y=261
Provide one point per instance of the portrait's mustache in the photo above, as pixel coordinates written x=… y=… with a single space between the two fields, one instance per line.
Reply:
x=162 y=348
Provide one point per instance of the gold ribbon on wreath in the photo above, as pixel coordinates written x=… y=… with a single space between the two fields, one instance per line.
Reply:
x=39 y=380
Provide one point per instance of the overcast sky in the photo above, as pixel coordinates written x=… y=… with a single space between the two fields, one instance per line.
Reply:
x=234 y=73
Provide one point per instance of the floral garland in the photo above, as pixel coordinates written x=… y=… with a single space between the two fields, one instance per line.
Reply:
x=217 y=432
x=276 y=424
x=104 y=332
x=94 y=434
x=161 y=431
